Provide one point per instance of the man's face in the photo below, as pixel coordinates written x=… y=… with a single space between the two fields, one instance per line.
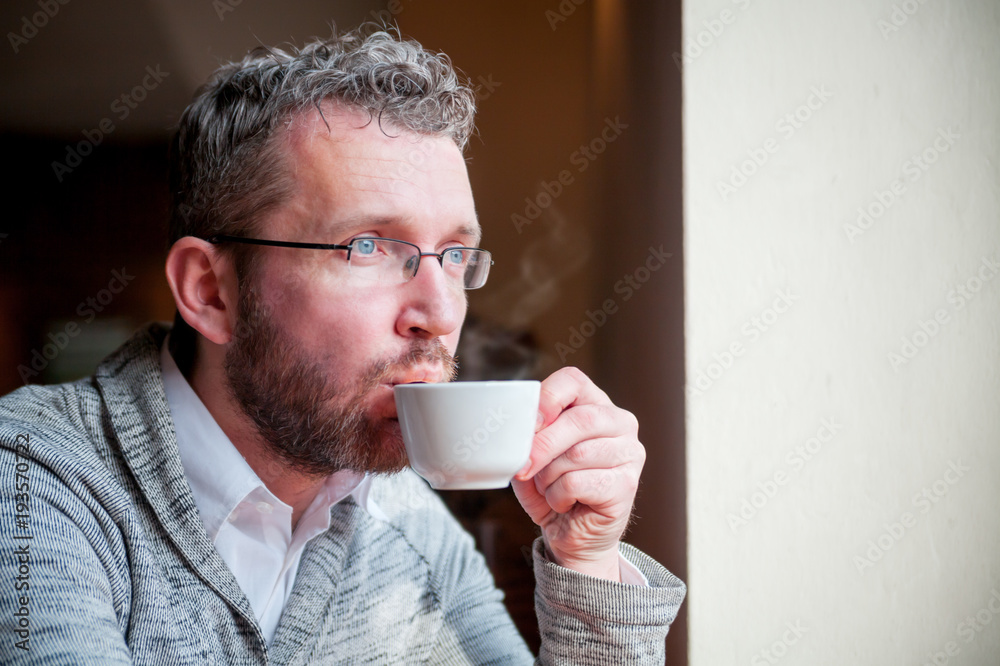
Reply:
x=317 y=349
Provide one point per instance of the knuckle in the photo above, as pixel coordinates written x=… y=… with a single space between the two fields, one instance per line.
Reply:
x=572 y=484
x=640 y=454
x=609 y=478
x=579 y=454
x=632 y=479
x=585 y=418
x=628 y=419
x=544 y=441
x=541 y=482
x=547 y=395
x=622 y=456
x=602 y=484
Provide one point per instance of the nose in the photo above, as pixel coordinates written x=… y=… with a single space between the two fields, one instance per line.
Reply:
x=433 y=305
x=419 y=258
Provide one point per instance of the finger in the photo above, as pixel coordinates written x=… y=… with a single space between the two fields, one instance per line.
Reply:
x=575 y=425
x=599 y=489
x=598 y=453
x=564 y=388
x=532 y=501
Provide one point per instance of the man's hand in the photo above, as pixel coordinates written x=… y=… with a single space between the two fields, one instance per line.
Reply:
x=581 y=480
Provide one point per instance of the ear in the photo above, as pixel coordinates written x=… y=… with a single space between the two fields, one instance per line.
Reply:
x=203 y=282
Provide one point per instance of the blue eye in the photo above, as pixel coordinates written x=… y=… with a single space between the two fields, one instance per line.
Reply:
x=364 y=246
x=455 y=256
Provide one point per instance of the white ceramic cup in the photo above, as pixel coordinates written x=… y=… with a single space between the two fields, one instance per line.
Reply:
x=468 y=435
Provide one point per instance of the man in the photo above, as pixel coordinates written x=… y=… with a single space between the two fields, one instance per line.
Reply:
x=235 y=490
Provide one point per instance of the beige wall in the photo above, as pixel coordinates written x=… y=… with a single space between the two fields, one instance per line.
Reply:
x=843 y=378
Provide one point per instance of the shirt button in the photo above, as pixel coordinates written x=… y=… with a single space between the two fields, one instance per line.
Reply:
x=264 y=507
x=233 y=516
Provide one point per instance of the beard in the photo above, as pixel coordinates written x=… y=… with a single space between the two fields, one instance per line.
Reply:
x=310 y=423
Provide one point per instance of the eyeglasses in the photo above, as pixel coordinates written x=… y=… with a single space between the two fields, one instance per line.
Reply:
x=389 y=261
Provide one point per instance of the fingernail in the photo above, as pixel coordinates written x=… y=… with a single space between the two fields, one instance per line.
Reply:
x=539 y=421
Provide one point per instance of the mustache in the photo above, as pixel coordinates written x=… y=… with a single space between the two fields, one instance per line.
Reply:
x=420 y=351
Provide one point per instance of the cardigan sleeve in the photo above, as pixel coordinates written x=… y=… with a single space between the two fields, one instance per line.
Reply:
x=63 y=598
x=582 y=620
x=585 y=620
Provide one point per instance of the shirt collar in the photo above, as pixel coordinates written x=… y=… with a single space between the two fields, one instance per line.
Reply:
x=219 y=476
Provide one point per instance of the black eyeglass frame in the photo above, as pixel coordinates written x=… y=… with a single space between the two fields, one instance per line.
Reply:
x=223 y=238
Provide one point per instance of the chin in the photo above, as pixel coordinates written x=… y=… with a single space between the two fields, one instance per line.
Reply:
x=390 y=457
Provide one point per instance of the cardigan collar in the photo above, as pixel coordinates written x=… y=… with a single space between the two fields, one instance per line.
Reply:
x=131 y=385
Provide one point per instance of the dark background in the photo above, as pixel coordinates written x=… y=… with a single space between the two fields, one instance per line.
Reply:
x=551 y=75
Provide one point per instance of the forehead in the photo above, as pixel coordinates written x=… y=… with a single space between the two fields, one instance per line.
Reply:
x=346 y=168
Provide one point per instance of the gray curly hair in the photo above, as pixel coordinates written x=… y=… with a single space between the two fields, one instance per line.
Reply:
x=225 y=173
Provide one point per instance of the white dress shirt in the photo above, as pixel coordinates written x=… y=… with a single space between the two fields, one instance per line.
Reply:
x=250 y=527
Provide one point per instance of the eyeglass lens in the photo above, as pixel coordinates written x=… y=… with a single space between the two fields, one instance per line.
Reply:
x=390 y=261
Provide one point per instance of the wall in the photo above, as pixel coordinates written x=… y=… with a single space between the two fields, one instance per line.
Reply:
x=640 y=351
x=842 y=308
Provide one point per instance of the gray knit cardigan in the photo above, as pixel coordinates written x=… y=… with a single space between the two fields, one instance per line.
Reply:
x=105 y=560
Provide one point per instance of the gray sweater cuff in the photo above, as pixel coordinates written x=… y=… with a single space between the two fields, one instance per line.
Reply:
x=587 y=620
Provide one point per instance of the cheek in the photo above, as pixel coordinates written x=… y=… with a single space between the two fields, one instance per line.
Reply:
x=345 y=326
x=451 y=341
x=462 y=307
